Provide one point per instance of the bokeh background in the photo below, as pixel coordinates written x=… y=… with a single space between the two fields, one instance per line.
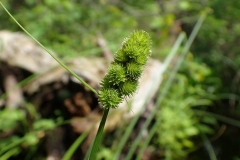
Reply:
x=200 y=114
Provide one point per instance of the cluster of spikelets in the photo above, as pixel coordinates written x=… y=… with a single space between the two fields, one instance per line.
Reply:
x=122 y=77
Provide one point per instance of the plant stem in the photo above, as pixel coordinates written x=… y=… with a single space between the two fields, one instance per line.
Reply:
x=98 y=137
x=74 y=146
x=12 y=145
x=209 y=147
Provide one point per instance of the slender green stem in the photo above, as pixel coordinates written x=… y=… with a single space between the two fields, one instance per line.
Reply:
x=126 y=135
x=10 y=153
x=149 y=137
x=167 y=86
x=74 y=146
x=98 y=138
x=12 y=145
x=54 y=57
x=209 y=147
x=218 y=117
x=88 y=152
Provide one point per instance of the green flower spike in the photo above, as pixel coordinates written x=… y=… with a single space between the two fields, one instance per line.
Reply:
x=122 y=78
x=116 y=74
x=128 y=88
x=121 y=57
x=133 y=70
x=109 y=98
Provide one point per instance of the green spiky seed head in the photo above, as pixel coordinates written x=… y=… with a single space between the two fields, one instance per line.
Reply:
x=122 y=77
x=138 y=43
x=116 y=74
x=105 y=83
x=128 y=88
x=109 y=98
x=141 y=59
x=131 y=51
x=133 y=70
x=121 y=57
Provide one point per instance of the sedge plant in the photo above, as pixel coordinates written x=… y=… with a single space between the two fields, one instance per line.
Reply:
x=121 y=80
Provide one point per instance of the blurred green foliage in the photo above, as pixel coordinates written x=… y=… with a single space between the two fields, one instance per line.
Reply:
x=71 y=28
x=217 y=42
x=105 y=153
x=28 y=126
x=178 y=122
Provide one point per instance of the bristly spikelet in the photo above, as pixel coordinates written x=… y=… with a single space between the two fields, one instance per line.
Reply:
x=122 y=77
x=128 y=88
x=109 y=98
x=121 y=56
x=141 y=60
x=131 y=51
x=133 y=70
x=116 y=74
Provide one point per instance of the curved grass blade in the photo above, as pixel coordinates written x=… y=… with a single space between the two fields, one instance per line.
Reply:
x=166 y=87
x=74 y=146
x=53 y=56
